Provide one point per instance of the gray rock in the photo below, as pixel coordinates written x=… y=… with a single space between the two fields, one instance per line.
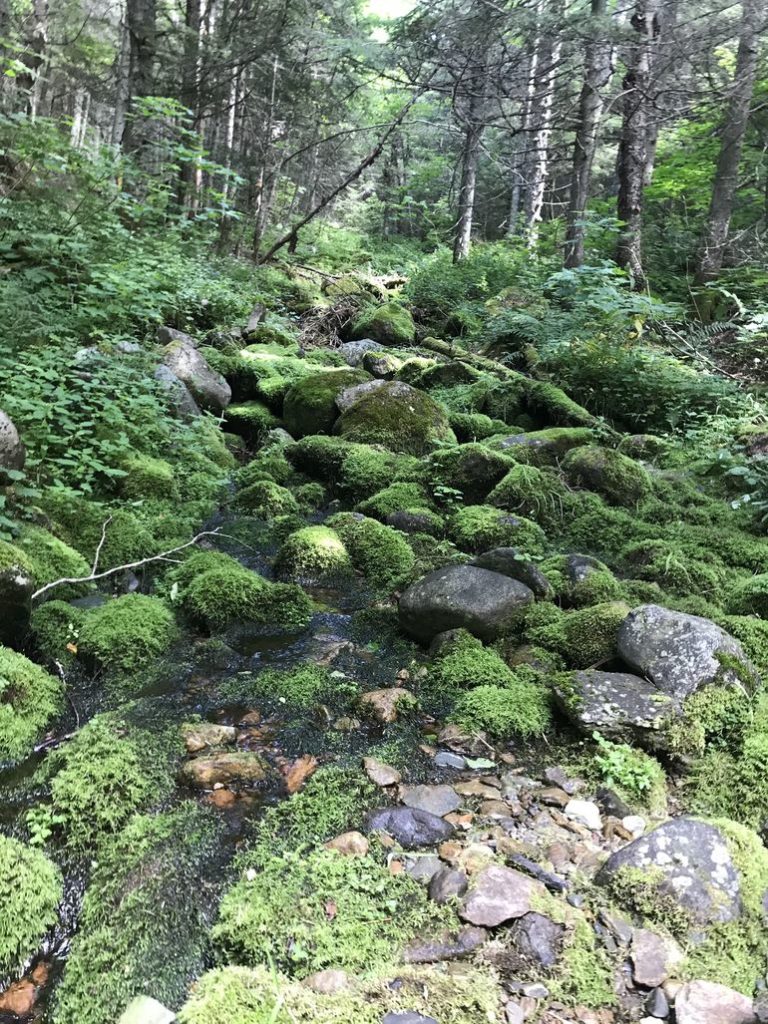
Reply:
x=514 y=1013
x=678 y=652
x=538 y=938
x=16 y=588
x=579 y=567
x=165 y=335
x=423 y=867
x=411 y=828
x=463 y=596
x=535 y=990
x=447 y=947
x=508 y=563
x=657 y=1004
x=409 y=1017
x=209 y=389
x=446 y=884
x=413 y=522
x=760 y=1008
x=585 y=812
x=127 y=348
x=179 y=396
x=689 y=861
x=705 y=1002
x=653 y=957
x=13 y=454
x=347 y=398
x=619 y=705
x=499 y=894
x=353 y=351
x=381 y=365
x=445 y=759
x=439 y=800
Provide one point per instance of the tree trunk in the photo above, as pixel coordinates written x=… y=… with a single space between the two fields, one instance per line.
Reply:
x=632 y=159
x=122 y=83
x=140 y=18
x=35 y=43
x=732 y=138
x=469 y=160
x=189 y=96
x=597 y=74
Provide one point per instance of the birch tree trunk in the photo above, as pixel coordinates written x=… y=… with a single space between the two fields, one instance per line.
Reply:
x=469 y=160
x=731 y=141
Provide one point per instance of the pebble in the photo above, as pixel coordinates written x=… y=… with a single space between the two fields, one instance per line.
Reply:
x=445 y=759
x=586 y=813
x=411 y=827
x=379 y=773
x=423 y=868
x=446 y=884
x=439 y=800
x=634 y=824
x=553 y=796
x=350 y=844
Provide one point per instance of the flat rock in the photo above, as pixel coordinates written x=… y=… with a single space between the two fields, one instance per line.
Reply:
x=486 y=603
x=383 y=703
x=439 y=800
x=411 y=827
x=379 y=773
x=238 y=766
x=537 y=938
x=445 y=759
x=508 y=562
x=705 y=1002
x=678 y=652
x=499 y=894
x=446 y=947
x=688 y=860
x=349 y=844
x=200 y=735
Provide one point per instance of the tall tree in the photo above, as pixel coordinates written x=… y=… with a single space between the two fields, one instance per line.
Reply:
x=141 y=19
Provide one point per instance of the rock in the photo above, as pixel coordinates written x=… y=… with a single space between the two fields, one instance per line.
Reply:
x=634 y=824
x=209 y=389
x=13 y=454
x=611 y=803
x=395 y=415
x=178 y=394
x=379 y=773
x=16 y=589
x=347 y=398
x=410 y=827
x=439 y=800
x=653 y=957
x=537 y=938
x=19 y=998
x=557 y=777
x=409 y=1017
x=309 y=406
x=514 y=1013
x=657 y=1004
x=145 y=1010
x=586 y=813
x=445 y=759
x=507 y=562
x=327 y=982
x=486 y=603
x=381 y=365
x=447 y=947
x=240 y=766
x=423 y=867
x=705 y=1002
x=760 y=1008
x=499 y=894
x=579 y=567
x=689 y=861
x=349 y=844
x=383 y=704
x=165 y=335
x=535 y=990
x=199 y=735
x=353 y=351
x=619 y=705
x=553 y=796
x=678 y=652
x=412 y=521
x=446 y=884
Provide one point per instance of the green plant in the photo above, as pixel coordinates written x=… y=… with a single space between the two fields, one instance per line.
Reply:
x=29 y=699
x=631 y=772
x=31 y=893
x=128 y=633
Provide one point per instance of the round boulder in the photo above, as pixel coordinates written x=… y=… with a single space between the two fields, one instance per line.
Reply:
x=398 y=417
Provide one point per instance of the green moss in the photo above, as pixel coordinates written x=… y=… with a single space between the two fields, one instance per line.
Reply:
x=31 y=892
x=128 y=633
x=597 y=586
x=145 y=477
x=519 y=708
x=752 y=633
x=394 y=498
x=355 y=471
x=532 y=492
x=388 y=324
x=749 y=597
x=397 y=417
x=265 y=498
x=380 y=553
x=472 y=469
x=433 y=553
x=16 y=561
x=279 y=336
x=637 y=777
x=477 y=528
x=268 y=464
x=250 y=419
x=52 y=559
x=639 y=891
x=301 y=688
x=310 y=405
x=618 y=478
x=314 y=555
x=146 y=909
x=278 y=913
x=79 y=522
x=473 y=426
x=584 y=974
x=29 y=699
x=464 y=662
x=585 y=638
x=543 y=447
x=56 y=627
x=668 y=564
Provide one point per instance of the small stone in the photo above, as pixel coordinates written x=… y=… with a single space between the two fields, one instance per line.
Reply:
x=619 y=927
x=493 y=809
x=476 y=787
x=535 y=990
x=439 y=800
x=611 y=803
x=557 y=777
x=411 y=827
x=446 y=884
x=349 y=844
x=657 y=1004
x=221 y=797
x=445 y=759
x=586 y=813
x=634 y=824
x=706 y=1002
x=537 y=937
x=652 y=957
x=239 y=766
x=199 y=735
x=327 y=982
x=409 y=1017
x=383 y=704
x=553 y=796
x=499 y=894
x=379 y=773
x=423 y=867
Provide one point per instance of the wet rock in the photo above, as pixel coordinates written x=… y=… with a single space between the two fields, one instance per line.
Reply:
x=413 y=521
x=327 y=982
x=689 y=861
x=447 y=947
x=678 y=652
x=499 y=894
x=508 y=562
x=145 y=1010
x=209 y=389
x=379 y=773
x=411 y=827
x=705 y=1002
x=486 y=603
x=353 y=351
x=611 y=803
x=653 y=958
x=13 y=454
x=447 y=884
x=657 y=1004
x=199 y=735
x=439 y=800
x=349 y=844
x=619 y=705
x=239 y=766
x=445 y=759
x=383 y=704
x=538 y=938
x=409 y=1017
x=585 y=813
x=16 y=589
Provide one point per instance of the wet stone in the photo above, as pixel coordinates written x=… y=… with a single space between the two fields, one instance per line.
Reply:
x=445 y=759
x=409 y=826
x=446 y=884
x=239 y=766
x=439 y=800
x=200 y=735
x=448 y=947
x=657 y=1004
x=379 y=773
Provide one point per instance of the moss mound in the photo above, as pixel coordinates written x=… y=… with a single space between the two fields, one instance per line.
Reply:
x=301 y=688
x=389 y=324
x=310 y=405
x=128 y=633
x=56 y=629
x=476 y=528
x=146 y=477
x=266 y=499
x=29 y=700
x=31 y=892
x=472 y=469
x=749 y=597
x=52 y=559
x=618 y=478
x=314 y=556
x=593 y=583
x=520 y=708
x=535 y=493
x=250 y=419
x=395 y=498
x=380 y=553
x=399 y=418
x=585 y=638
x=353 y=471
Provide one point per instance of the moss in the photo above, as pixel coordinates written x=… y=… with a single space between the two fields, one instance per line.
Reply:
x=56 y=628
x=265 y=498
x=464 y=662
x=597 y=586
x=634 y=775
x=278 y=913
x=668 y=564
x=16 y=561
x=519 y=708
x=584 y=975
x=269 y=464
x=593 y=527
x=29 y=700
x=433 y=553
x=380 y=553
x=146 y=909
x=585 y=638
x=128 y=633
x=394 y=498
x=279 y=336
x=250 y=419
x=477 y=528
x=543 y=447
x=356 y=471
x=639 y=891
x=31 y=892
x=618 y=478
x=472 y=469
x=310 y=405
x=314 y=555
x=752 y=634
x=474 y=426
x=389 y=324
x=397 y=417
x=79 y=521
x=52 y=559
x=532 y=492
x=145 y=477
x=749 y=597
x=301 y=688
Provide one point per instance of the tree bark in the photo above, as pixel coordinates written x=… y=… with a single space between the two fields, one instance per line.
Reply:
x=141 y=22
x=598 y=70
x=190 y=95
x=35 y=43
x=731 y=141
x=469 y=159
x=633 y=147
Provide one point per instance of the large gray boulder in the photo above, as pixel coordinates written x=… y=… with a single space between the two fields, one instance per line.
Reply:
x=687 y=861
x=486 y=603
x=707 y=1002
x=353 y=351
x=179 y=396
x=508 y=562
x=12 y=452
x=681 y=653
x=209 y=389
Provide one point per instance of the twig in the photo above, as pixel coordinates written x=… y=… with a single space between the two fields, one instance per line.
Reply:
x=119 y=568
x=104 y=526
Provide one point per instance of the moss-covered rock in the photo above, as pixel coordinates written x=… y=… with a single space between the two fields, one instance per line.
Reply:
x=29 y=899
x=579 y=581
x=542 y=447
x=127 y=633
x=532 y=492
x=394 y=498
x=146 y=476
x=389 y=324
x=314 y=555
x=55 y=627
x=380 y=553
x=676 y=570
x=477 y=528
x=266 y=499
x=749 y=597
x=473 y=426
x=250 y=420
x=584 y=638
x=29 y=699
x=310 y=405
x=472 y=469
x=618 y=478
x=52 y=559
x=398 y=417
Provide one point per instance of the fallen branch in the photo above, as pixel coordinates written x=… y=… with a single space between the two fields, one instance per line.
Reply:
x=93 y=576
